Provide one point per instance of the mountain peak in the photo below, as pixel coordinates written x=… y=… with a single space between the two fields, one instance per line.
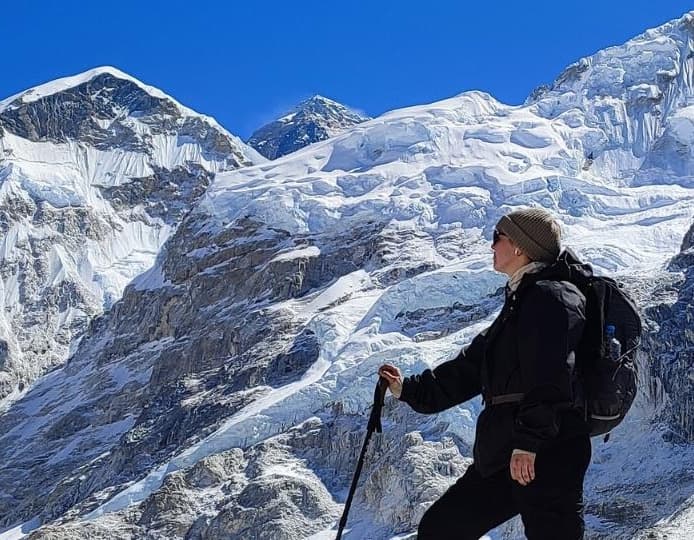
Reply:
x=314 y=119
x=101 y=106
x=317 y=99
x=638 y=70
x=66 y=83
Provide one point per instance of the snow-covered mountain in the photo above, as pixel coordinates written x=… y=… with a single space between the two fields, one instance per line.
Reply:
x=226 y=394
x=313 y=120
x=96 y=171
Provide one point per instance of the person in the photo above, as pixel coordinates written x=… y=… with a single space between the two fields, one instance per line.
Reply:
x=532 y=445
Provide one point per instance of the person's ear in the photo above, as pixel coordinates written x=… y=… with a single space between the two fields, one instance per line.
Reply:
x=517 y=252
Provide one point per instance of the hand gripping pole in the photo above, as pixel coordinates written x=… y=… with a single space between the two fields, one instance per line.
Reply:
x=374 y=425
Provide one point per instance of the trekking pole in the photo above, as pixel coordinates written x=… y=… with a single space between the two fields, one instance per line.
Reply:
x=374 y=425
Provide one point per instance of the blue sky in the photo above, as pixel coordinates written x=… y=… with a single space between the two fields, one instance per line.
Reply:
x=246 y=63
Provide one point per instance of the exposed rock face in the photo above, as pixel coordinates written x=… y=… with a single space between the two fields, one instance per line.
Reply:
x=313 y=120
x=166 y=194
x=271 y=491
x=95 y=173
x=688 y=241
x=672 y=346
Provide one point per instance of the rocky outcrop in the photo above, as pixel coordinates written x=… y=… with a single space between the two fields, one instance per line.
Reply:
x=671 y=347
x=166 y=194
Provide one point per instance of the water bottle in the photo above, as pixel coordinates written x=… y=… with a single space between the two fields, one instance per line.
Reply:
x=613 y=346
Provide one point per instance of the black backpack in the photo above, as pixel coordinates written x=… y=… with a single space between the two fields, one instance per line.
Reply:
x=604 y=387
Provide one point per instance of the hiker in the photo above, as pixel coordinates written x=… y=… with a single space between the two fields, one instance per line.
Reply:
x=532 y=447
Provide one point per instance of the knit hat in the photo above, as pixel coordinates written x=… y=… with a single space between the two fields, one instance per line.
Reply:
x=534 y=231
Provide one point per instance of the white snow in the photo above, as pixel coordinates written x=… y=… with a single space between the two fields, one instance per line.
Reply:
x=20 y=531
x=71 y=173
x=390 y=168
x=680 y=525
x=151 y=279
x=682 y=125
x=310 y=251
x=530 y=139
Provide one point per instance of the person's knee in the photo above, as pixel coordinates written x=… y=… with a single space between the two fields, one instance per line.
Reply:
x=427 y=529
x=554 y=521
x=435 y=526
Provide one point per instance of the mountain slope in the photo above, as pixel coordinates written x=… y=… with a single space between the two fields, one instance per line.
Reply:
x=313 y=120
x=96 y=171
x=226 y=394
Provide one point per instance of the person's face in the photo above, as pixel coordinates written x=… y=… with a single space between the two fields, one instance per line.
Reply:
x=505 y=259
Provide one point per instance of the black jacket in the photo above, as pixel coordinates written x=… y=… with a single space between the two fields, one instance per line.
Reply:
x=529 y=349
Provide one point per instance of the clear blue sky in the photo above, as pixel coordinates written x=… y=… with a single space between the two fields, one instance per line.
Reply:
x=247 y=62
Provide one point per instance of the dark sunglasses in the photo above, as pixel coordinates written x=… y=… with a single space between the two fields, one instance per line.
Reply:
x=496 y=235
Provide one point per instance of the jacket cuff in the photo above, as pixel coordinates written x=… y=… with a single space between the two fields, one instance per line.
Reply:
x=407 y=388
x=517 y=451
x=528 y=444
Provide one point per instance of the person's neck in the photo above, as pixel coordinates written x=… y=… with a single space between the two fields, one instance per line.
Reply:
x=515 y=265
x=528 y=268
x=510 y=272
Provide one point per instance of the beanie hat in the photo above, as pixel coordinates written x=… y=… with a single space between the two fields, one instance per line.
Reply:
x=534 y=231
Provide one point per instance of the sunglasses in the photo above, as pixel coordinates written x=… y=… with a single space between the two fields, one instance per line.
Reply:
x=496 y=235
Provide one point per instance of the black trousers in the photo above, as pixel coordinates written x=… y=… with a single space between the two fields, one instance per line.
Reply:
x=551 y=506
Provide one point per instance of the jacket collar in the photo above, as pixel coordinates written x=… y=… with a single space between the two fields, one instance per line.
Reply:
x=530 y=268
x=560 y=270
